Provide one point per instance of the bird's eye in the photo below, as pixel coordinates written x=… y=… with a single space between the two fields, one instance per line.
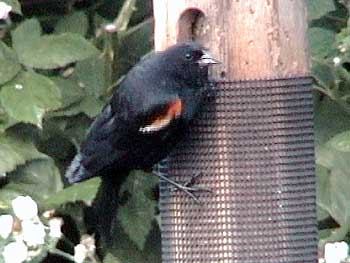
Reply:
x=188 y=56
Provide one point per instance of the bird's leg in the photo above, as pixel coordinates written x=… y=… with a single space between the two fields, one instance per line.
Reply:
x=192 y=180
x=187 y=187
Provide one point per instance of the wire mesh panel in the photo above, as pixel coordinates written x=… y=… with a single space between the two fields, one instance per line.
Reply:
x=253 y=143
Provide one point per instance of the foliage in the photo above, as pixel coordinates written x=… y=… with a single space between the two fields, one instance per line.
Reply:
x=55 y=76
x=58 y=68
x=329 y=35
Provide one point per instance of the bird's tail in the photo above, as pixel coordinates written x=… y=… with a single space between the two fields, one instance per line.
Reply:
x=105 y=206
x=76 y=172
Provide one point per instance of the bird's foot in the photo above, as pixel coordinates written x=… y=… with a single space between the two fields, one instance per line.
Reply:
x=188 y=186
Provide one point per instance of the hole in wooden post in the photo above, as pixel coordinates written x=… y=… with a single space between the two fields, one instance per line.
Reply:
x=192 y=25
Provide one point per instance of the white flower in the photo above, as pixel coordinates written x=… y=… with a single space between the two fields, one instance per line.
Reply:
x=33 y=233
x=110 y=28
x=55 y=227
x=49 y=213
x=89 y=243
x=24 y=207
x=335 y=252
x=33 y=253
x=5 y=9
x=342 y=48
x=6 y=223
x=15 y=252
x=336 y=61
x=80 y=253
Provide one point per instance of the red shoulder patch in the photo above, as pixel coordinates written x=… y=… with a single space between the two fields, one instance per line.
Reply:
x=159 y=121
x=175 y=108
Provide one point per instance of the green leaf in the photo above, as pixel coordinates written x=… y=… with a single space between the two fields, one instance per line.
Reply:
x=324 y=74
x=333 y=183
x=90 y=73
x=330 y=119
x=85 y=191
x=15 y=151
x=39 y=179
x=341 y=142
x=28 y=97
x=323 y=188
x=134 y=44
x=70 y=90
x=333 y=166
x=7 y=52
x=5 y=120
x=89 y=105
x=322 y=214
x=25 y=35
x=343 y=41
x=137 y=215
x=340 y=196
x=77 y=128
x=124 y=250
x=321 y=41
x=16 y=7
x=325 y=156
x=76 y=22
x=54 y=142
x=342 y=75
x=318 y=8
x=54 y=51
x=8 y=70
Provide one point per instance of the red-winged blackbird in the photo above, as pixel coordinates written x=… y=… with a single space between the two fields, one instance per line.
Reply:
x=146 y=116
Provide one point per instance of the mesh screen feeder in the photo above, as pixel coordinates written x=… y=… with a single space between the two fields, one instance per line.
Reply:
x=253 y=140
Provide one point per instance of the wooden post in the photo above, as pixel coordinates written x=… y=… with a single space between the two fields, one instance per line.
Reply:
x=272 y=160
x=255 y=39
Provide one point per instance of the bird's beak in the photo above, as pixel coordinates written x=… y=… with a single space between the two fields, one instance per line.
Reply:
x=206 y=60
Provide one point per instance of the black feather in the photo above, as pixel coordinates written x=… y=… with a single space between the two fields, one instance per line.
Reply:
x=114 y=144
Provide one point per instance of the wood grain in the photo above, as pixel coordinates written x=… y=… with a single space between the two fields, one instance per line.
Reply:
x=251 y=143
x=255 y=39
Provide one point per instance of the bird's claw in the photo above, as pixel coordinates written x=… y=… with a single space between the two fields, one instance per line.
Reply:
x=189 y=189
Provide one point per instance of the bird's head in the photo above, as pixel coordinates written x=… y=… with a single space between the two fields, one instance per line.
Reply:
x=188 y=61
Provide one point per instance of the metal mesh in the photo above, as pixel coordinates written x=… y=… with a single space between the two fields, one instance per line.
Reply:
x=253 y=142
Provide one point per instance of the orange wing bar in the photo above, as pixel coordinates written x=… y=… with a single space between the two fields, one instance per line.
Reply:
x=162 y=120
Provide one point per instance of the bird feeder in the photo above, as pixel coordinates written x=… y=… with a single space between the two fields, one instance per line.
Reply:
x=253 y=140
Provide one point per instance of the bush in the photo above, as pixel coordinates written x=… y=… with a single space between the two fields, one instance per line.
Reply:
x=329 y=37
x=59 y=62
x=55 y=76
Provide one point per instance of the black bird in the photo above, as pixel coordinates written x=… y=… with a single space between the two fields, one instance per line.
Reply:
x=147 y=115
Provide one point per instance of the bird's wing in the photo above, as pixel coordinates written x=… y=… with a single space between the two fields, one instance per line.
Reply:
x=159 y=117
x=98 y=151
x=118 y=133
